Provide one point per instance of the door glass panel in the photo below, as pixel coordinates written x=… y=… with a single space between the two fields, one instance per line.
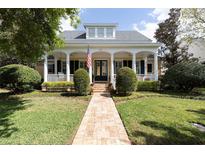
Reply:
x=97 y=68
x=104 y=68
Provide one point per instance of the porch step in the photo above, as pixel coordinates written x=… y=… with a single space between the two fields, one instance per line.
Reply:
x=100 y=87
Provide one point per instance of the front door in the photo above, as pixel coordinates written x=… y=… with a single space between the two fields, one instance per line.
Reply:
x=101 y=70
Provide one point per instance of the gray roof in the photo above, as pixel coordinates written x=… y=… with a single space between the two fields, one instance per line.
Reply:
x=133 y=36
x=100 y=24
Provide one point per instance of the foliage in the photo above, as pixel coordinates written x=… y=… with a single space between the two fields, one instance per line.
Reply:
x=29 y=32
x=58 y=84
x=192 y=23
x=125 y=81
x=172 y=50
x=199 y=91
x=19 y=78
x=82 y=81
x=184 y=76
x=147 y=85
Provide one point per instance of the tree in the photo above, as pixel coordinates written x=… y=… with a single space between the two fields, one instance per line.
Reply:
x=172 y=50
x=192 y=24
x=29 y=33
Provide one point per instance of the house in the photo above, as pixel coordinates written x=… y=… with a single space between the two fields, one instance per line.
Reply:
x=110 y=50
x=197 y=48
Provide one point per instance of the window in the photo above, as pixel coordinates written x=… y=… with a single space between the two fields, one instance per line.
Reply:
x=127 y=63
x=117 y=66
x=75 y=64
x=109 y=32
x=100 y=32
x=149 y=68
x=51 y=66
x=91 y=32
x=137 y=67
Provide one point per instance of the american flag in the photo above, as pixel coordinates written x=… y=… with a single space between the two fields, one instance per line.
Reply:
x=89 y=58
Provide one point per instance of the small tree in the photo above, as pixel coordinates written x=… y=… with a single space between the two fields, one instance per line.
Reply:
x=125 y=81
x=82 y=81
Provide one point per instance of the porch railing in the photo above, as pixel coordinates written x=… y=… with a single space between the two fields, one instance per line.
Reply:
x=56 y=77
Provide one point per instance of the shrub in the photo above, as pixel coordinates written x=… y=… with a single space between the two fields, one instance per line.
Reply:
x=147 y=85
x=125 y=81
x=184 y=76
x=19 y=78
x=58 y=84
x=82 y=81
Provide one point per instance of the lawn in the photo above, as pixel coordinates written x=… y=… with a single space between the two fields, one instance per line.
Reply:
x=40 y=118
x=153 y=118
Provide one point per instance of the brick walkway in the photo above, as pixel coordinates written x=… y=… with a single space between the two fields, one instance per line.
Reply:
x=101 y=123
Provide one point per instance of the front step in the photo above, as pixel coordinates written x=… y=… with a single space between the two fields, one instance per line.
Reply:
x=100 y=87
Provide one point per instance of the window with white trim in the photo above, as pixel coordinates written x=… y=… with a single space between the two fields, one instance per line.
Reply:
x=100 y=32
x=117 y=65
x=149 y=68
x=109 y=32
x=51 y=65
x=91 y=32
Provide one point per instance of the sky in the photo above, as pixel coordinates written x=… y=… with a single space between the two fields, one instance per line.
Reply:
x=143 y=20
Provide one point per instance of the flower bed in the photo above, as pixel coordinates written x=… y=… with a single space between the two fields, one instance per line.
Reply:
x=58 y=86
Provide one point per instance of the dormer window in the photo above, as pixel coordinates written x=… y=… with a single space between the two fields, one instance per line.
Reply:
x=91 y=32
x=109 y=33
x=100 y=32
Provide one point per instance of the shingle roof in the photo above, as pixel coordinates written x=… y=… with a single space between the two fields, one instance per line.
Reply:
x=120 y=36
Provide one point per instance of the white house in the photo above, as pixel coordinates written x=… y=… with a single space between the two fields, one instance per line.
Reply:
x=110 y=49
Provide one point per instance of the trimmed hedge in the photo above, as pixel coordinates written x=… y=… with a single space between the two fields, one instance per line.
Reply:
x=147 y=85
x=82 y=82
x=58 y=84
x=19 y=78
x=199 y=91
x=125 y=81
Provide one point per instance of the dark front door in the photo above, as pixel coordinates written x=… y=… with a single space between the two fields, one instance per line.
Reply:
x=101 y=70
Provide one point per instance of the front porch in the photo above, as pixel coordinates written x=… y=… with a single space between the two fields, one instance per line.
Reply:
x=60 y=66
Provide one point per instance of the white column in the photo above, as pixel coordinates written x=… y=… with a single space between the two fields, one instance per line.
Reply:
x=156 y=66
x=112 y=68
x=67 y=66
x=90 y=69
x=145 y=66
x=134 y=62
x=55 y=65
x=45 y=68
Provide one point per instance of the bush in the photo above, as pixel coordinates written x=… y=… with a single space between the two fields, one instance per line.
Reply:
x=82 y=82
x=19 y=78
x=147 y=85
x=125 y=81
x=58 y=84
x=184 y=76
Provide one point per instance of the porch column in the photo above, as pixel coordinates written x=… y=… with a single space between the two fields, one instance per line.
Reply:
x=156 y=66
x=112 y=68
x=145 y=66
x=45 y=68
x=134 y=62
x=67 y=66
x=55 y=65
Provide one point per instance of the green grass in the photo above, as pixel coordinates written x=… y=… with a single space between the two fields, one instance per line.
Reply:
x=40 y=118
x=153 y=118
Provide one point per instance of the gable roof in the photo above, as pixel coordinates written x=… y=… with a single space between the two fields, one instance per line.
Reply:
x=133 y=36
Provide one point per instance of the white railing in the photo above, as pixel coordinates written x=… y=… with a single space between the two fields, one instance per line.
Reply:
x=71 y=77
x=56 y=77
x=140 y=77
